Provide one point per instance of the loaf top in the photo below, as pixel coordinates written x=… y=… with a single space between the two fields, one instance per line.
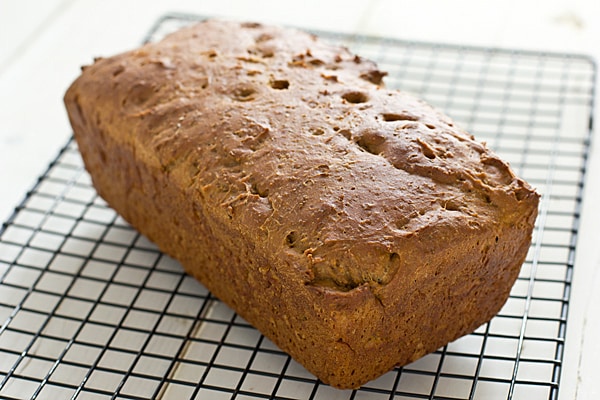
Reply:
x=353 y=170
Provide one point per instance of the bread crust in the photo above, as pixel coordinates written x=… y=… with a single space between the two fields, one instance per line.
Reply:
x=356 y=227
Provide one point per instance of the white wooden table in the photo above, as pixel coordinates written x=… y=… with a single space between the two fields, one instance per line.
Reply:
x=43 y=43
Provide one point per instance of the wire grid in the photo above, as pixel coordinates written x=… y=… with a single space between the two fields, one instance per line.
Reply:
x=91 y=309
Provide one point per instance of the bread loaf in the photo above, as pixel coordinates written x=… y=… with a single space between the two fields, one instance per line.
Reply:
x=356 y=227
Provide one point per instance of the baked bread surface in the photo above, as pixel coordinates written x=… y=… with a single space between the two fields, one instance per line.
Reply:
x=356 y=227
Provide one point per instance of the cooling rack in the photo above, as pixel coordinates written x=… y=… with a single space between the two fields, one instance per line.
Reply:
x=90 y=309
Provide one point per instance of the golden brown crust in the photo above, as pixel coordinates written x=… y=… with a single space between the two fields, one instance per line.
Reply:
x=354 y=226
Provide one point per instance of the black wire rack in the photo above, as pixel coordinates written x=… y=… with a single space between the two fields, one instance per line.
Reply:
x=90 y=309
